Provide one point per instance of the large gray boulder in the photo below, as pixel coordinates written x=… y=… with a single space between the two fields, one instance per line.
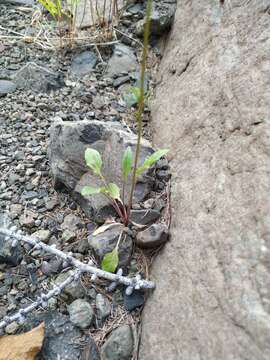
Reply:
x=68 y=141
x=211 y=110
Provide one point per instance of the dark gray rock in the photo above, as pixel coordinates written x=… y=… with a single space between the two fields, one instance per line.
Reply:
x=84 y=63
x=68 y=142
x=61 y=336
x=7 y=87
x=119 y=345
x=120 y=81
x=81 y=313
x=122 y=61
x=144 y=216
x=37 y=78
x=161 y=18
x=8 y=254
x=106 y=241
x=155 y=235
x=163 y=175
x=133 y=301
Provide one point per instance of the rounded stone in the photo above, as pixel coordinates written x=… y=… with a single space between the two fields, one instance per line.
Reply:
x=81 y=313
x=119 y=345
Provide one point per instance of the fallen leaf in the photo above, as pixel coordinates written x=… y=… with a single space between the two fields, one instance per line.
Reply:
x=22 y=347
x=104 y=228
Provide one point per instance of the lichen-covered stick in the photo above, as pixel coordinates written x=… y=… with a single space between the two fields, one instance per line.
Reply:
x=131 y=283
x=41 y=300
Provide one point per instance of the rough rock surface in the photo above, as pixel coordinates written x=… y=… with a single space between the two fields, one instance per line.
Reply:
x=106 y=241
x=122 y=61
x=6 y=87
x=8 y=253
x=37 y=78
x=61 y=336
x=68 y=142
x=213 y=276
x=81 y=313
x=119 y=345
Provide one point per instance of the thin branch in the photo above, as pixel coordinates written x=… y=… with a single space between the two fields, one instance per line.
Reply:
x=135 y=282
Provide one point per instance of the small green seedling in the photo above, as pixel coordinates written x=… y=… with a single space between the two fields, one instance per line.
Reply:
x=132 y=98
x=112 y=191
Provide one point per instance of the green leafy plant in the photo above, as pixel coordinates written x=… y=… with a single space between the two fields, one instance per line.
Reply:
x=130 y=168
x=60 y=12
x=54 y=7
x=133 y=95
x=110 y=190
x=132 y=98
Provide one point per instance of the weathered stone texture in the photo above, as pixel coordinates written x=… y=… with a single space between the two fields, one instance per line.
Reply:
x=212 y=111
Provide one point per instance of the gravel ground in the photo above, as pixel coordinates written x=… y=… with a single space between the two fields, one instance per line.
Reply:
x=26 y=189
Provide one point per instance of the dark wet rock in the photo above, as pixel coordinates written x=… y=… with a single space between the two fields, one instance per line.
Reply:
x=163 y=175
x=81 y=313
x=84 y=63
x=37 y=78
x=144 y=216
x=106 y=241
x=68 y=142
x=61 y=336
x=155 y=235
x=6 y=87
x=119 y=345
x=122 y=61
x=8 y=254
x=133 y=301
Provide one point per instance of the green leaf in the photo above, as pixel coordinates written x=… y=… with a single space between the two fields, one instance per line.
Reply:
x=151 y=160
x=127 y=163
x=93 y=160
x=114 y=191
x=90 y=190
x=110 y=261
x=133 y=96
